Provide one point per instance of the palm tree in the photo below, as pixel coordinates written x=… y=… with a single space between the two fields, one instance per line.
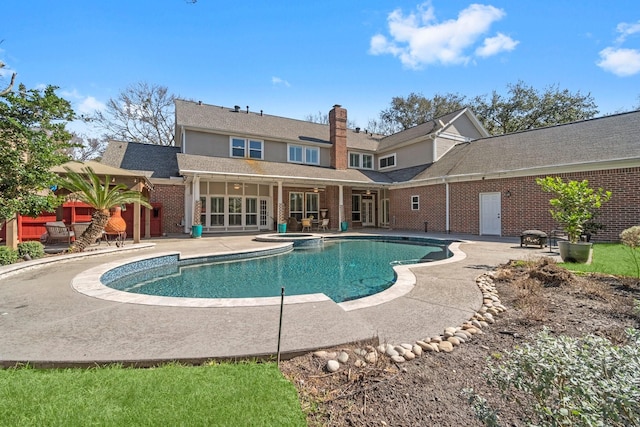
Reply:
x=87 y=187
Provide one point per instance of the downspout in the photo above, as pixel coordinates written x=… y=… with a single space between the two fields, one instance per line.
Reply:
x=340 y=205
x=447 y=213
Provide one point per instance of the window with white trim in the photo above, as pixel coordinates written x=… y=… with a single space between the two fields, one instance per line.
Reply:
x=360 y=161
x=415 y=203
x=246 y=148
x=303 y=154
x=387 y=161
x=296 y=205
x=355 y=207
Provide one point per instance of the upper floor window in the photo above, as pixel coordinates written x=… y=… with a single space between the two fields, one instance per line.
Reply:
x=360 y=161
x=246 y=148
x=302 y=154
x=387 y=161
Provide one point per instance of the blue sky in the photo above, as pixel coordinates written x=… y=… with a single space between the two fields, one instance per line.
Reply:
x=299 y=58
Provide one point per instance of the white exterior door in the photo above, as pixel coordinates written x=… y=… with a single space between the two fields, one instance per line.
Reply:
x=368 y=217
x=490 y=208
x=264 y=223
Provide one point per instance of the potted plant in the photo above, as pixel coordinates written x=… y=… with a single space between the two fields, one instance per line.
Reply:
x=573 y=207
x=196 y=227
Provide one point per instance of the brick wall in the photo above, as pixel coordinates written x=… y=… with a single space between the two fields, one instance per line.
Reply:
x=523 y=204
x=432 y=208
x=172 y=199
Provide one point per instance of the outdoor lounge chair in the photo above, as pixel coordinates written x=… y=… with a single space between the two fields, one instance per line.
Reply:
x=57 y=231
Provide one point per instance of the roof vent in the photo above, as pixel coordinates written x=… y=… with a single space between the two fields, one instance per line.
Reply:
x=261 y=112
x=199 y=102
x=236 y=108
x=357 y=130
x=247 y=109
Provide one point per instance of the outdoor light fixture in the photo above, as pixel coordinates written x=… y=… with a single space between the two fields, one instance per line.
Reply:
x=508 y=193
x=236 y=186
x=368 y=192
x=315 y=190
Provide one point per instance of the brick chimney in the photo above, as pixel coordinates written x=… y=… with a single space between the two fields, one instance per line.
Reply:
x=338 y=137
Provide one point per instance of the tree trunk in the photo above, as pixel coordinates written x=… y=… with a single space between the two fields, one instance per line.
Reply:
x=92 y=233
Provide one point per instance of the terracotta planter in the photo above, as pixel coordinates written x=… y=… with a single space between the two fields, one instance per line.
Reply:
x=116 y=223
x=575 y=252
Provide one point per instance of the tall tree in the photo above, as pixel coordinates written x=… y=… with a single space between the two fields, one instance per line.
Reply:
x=86 y=147
x=33 y=139
x=96 y=191
x=142 y=112
x=525 y=108
x=8 y=88
x=415 y=109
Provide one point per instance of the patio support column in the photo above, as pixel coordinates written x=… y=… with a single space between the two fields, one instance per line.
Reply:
x=340 y=205
x=147 y=223
x=280 y=204
x=11 y=228
x=136 y=222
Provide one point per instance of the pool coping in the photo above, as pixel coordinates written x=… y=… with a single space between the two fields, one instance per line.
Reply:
x=88 y=283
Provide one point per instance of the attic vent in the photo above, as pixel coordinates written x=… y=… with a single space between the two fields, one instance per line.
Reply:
x=236 y=108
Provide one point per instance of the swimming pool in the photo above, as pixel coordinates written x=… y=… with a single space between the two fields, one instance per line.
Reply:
x=342 y=269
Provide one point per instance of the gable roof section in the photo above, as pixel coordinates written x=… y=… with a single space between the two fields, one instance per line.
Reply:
x=158 y=160
x=218 y=119
x=190 y=164
x=428 y=128
x=606 y=139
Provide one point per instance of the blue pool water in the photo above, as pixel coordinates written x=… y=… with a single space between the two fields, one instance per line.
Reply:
x=343 y=270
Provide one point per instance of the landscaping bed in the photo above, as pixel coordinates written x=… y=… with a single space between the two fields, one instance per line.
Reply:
x=435 y=388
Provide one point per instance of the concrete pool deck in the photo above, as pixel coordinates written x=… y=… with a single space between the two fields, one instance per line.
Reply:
x=44 y=321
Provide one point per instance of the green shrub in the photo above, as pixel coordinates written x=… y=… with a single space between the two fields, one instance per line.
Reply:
x=573 y=381
x=8 y=255
x=631 y=238
x=33 y=249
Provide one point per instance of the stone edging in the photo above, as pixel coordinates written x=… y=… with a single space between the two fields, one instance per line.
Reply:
x=446 y=342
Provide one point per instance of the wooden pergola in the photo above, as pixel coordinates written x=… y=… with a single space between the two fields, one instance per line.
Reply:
x=133 y=180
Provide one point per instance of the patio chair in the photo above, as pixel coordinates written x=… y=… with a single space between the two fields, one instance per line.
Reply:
x=80 y=227
x=324 y=225
x=293 y=224
x=57 y=231
x=306 y=224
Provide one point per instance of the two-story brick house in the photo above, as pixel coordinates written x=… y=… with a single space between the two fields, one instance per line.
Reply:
x=252 y=170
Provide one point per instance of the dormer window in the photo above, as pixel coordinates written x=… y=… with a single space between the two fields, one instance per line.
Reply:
x=360 y=160
x=246 y=148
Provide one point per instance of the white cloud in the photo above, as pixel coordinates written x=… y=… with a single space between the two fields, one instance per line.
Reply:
x=279 y=81
x=418 y=39
x=495 y=45
x=625 y=29
x=89 y=105
x=619 y=61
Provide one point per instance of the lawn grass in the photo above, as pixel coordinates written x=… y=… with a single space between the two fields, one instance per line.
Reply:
x=247 y=394
x=608 y=258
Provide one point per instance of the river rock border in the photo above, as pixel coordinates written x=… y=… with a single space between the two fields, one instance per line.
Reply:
x=451 y=338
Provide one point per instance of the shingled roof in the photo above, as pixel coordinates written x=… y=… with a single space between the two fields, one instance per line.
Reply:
x=159 y=161
x=604 y=139
x=189 y=163
x=227 y=120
